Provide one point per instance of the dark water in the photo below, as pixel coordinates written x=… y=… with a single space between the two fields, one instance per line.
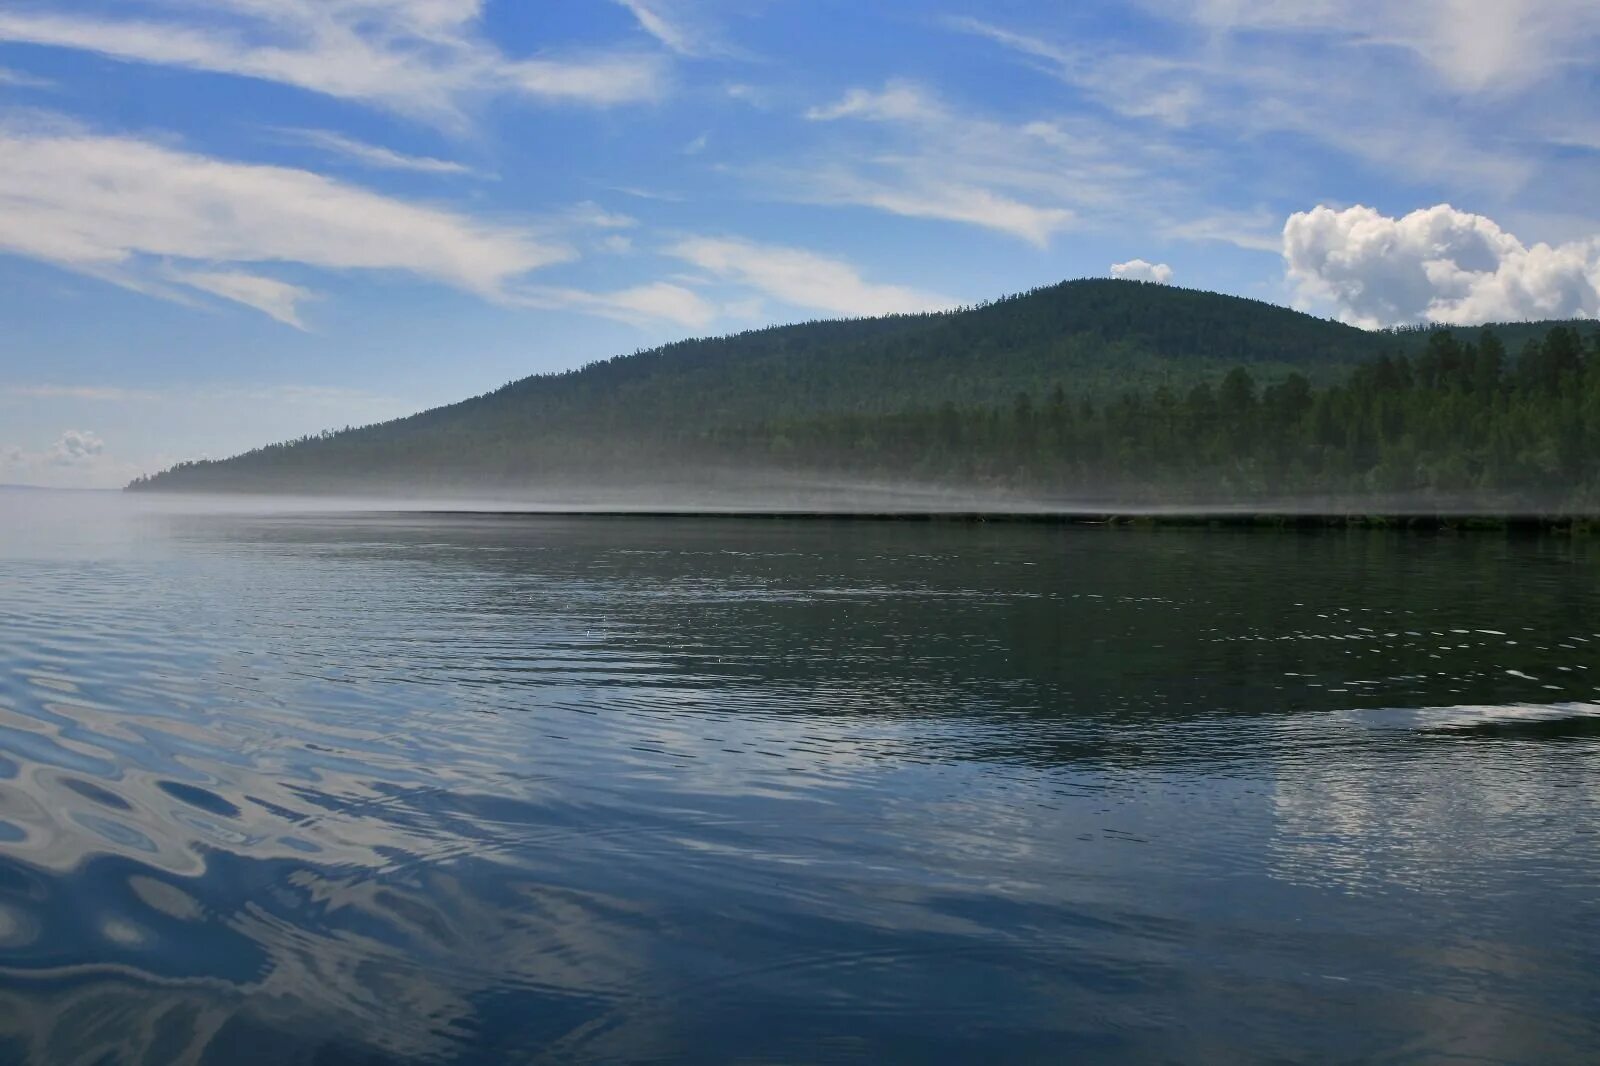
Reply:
x=369 y=789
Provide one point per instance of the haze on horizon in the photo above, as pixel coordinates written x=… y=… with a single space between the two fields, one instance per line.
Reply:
x=223 y=225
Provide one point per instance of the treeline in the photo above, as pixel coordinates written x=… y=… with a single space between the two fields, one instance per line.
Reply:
x=1098 y=336
x=1119 y=390
x=1462 y=420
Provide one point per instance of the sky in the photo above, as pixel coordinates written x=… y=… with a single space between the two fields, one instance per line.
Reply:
x=229 y=222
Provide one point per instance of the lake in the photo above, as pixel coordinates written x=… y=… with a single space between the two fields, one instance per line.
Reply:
x=288 y=785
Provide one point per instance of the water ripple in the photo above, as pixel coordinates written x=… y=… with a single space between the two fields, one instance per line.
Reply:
x=422 y=789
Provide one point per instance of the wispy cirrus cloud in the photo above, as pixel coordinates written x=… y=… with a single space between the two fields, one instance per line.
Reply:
x=423 y=58
x=106 y=393
x=149 y=216
x=1031 y=179
x=658 y=301
x=24 y=81
x=372 y=155
x=946 y=201
x=592 y=216
x=802 y=278
x=1472 y=45
x=895 y=102
x=682 y=26
x=1334 y=74
x=1256 y=229
x=274 y=298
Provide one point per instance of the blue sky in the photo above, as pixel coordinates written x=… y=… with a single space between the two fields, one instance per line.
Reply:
x=225 y=222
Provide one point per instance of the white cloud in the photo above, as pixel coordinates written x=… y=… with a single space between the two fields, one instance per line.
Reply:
x=605 y=80
x=1140 y=270
x=659 y=26
x=1028 y=181
x=76 y=459
x=640 y=193
x=744 y=92
x=663 y=300
x=276 y=298
x=77 y=446
x=141 y=429
x=593 y=216
x=24 y=81
x=1250 y=70
x=948 y=202
x=374 y=155
x=655 y=301
x=420 y=57
x=1435 y=265
x=127 y=209
x=1476 y=45
x=895 y=102
x=802 y=278
x=1139 y=87
x=673 y=29
x=1258 y=230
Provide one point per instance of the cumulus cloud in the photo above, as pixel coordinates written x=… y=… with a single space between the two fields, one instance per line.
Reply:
x=424 y=58
x=139 y=430
x=1434 y=265
x=115 y=207
x=802 y=278
x=77 y=446
x=1140 y=270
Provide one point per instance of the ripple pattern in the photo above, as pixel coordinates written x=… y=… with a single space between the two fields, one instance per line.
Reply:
x=325 y=787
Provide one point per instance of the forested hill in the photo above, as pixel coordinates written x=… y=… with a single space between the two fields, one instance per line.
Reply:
x=660 y=415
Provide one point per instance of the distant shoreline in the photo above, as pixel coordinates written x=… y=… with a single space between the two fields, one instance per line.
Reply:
x=1132 y=520
x=1312 y=515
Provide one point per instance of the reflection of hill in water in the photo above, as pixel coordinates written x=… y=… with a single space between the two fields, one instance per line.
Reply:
x=1046 y=644
x=400 y=786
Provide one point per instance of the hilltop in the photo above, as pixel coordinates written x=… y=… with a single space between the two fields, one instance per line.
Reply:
x=900 y=391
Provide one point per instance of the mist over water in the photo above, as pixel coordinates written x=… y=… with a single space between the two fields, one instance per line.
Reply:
x=322 y=781
x=783 y=492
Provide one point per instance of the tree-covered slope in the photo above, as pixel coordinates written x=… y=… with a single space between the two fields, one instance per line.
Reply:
x=654 y=414
x=1460 y=425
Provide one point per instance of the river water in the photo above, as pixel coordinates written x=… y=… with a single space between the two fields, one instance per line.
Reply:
x=289 y=785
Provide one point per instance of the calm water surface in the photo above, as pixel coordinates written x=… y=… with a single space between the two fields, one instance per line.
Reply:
x=370 y=788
